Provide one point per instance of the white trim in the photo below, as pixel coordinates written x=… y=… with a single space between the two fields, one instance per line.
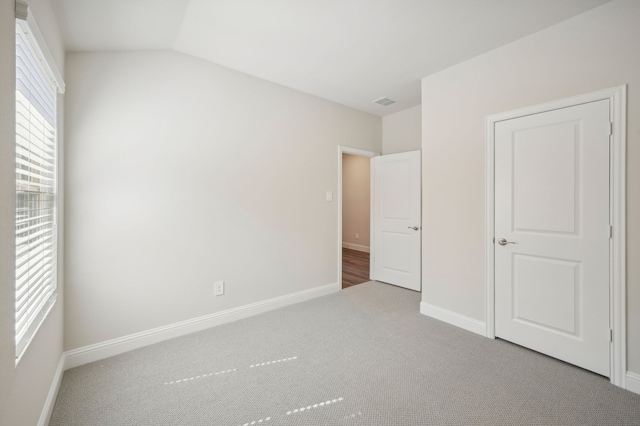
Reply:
x=618 y=104
x=47 y=409
x=358 y=247
x=98 y=351
x=356 y=151
x=453 y=318
x=489 y=231
x=46 y=310
x=633 y=382
x=363 y=153
x=372 y=217
x=618 y=251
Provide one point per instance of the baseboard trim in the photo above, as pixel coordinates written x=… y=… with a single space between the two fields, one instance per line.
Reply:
x=357 y=247
x=453 y=318
x=632 y=382
x=47 y=409
x=98 y=351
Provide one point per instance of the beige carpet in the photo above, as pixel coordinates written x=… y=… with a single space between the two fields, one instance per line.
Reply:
x=364 y=356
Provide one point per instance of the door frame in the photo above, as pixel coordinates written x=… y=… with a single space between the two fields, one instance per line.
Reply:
x=617 y=212
x=342 y=149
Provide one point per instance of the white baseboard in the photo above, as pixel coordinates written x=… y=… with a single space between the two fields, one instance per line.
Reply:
x=453 y=318
x=47 y=409
x=632 y=382
x=91 y=353
x=358 y=247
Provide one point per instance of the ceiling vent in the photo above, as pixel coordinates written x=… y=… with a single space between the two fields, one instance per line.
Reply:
x=384 y=101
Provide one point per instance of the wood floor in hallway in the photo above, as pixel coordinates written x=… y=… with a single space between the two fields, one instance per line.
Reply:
x=355 y=267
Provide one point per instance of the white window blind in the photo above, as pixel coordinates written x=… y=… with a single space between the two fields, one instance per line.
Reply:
x=36 y=221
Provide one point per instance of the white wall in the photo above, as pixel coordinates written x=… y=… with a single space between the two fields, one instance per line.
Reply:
x=595 y=50
x=402 y=131
x=23 y=389
x=356 y=200
x=179 y=173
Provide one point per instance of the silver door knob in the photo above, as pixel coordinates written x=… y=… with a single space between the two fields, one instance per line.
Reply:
x=504 y=242
x=415 y=228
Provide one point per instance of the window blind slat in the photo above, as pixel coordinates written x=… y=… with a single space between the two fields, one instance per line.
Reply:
x=31 y=257
x=31 y=291
x=29 y=74
x=24 y=252
x=35 y=261
x=33 y=305
x=26 y=221
x=31 y=238
x=32 y=295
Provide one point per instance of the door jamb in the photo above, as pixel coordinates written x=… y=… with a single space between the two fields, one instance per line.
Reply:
x=362 y=153
x=617 y=213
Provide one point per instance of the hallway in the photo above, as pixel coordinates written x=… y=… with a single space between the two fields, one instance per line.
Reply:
x=355 y=267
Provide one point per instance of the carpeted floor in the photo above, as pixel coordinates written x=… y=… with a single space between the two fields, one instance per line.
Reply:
x=363 y=356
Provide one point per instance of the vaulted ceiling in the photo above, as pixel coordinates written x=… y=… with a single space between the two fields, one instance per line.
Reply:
x=348 y=51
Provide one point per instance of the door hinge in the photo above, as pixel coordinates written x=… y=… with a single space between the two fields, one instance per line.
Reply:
x=610 y=231
x=610 y=335
x=610 y=128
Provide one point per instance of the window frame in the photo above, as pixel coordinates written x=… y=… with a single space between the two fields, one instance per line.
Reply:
x=38 y=308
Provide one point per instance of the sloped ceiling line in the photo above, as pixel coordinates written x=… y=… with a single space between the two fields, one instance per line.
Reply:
x=347 y=51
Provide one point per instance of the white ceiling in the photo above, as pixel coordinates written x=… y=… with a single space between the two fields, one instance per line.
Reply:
x=347 y=51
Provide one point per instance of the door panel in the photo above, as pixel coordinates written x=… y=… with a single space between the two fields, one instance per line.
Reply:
x=396 y=252
x=544 y=172
x=552 y=207
x=395 y=189
x=546 y=293
x=395 y=248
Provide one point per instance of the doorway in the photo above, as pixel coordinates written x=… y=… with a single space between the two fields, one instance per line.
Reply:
x=354 y=215
x=555 y=221
x=394 y=218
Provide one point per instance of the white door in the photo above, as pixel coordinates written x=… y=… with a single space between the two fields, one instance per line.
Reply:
x=552 y=215
x=395 y=247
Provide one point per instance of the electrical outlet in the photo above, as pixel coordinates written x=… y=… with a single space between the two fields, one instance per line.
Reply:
x=357 y=235
x=218 y=288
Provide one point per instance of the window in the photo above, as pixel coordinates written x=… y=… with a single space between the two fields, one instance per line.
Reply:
x=36 y=186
